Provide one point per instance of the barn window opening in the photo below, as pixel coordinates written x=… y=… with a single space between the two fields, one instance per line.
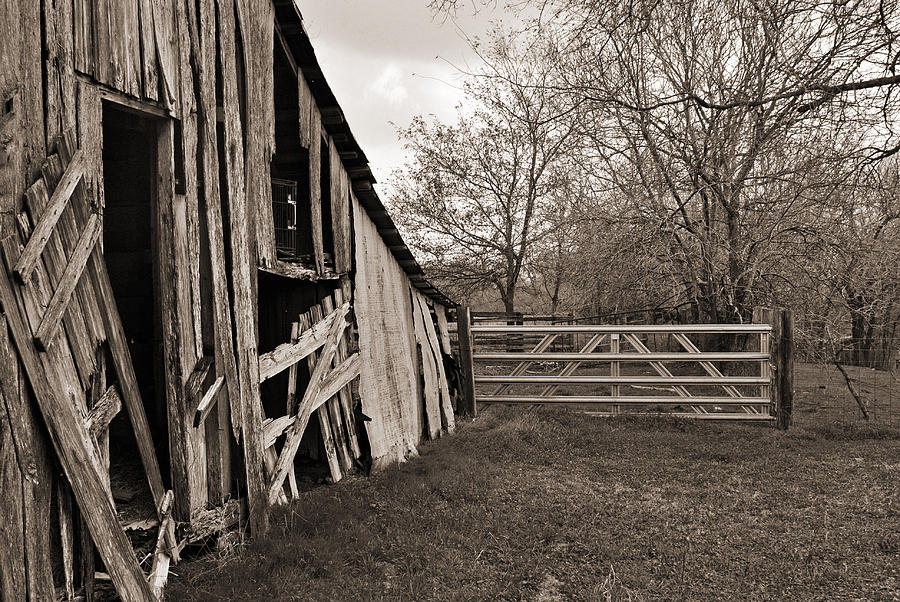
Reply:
x=290 y=168
x=327 y=232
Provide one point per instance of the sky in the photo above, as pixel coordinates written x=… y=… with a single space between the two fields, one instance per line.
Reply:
x=389 y=60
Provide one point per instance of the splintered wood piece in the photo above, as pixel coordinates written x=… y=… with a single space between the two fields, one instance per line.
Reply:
x=339 y=378
x=331 y=455
x=307 y=405
x=291 y=400
x=271 y=458
x=47 y=223
x=273 y=428
x=162 y=33
x=334 y=467
x=345 y=395
x=209 y=522
x=66 y=537
x=103 y=412
x=447 y=416
x=162 y=554
x=66 y=285
x=208 y=402
x=334 y=408
x=287 y=354
x=193 y=387
x=441 y=312
x=432 y=393
x=315 y=185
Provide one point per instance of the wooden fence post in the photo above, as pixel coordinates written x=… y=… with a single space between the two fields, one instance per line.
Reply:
x=466 y=365
x=781 y=348
x=785 y=374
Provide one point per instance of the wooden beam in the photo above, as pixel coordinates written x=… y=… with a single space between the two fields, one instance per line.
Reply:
x=287 y=354
x=65 y=288
x=785 y=371
x=467 y=403
x=47 y=222
x=103 y=412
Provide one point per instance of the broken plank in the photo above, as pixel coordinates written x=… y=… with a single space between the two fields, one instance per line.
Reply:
x=345 y=395
x=339 y=378
x=325 y=426
x=162 y=557
x=103 y=412
x=447 y=414
x=47 y=223
x=66 y=536
x=287 y=354
x=292 y=374
x=206 y=523
x=334 y=408
x=208 y=401
x=441 y=312
x=66 y=286
x=273 y=428
x=194 y=385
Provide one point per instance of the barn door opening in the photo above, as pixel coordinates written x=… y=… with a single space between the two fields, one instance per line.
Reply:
x=130 y=241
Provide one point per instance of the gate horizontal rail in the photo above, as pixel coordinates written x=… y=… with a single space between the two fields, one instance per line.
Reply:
x=623 y=329
x=733 y=356
x=626 y=400
x=625 y=380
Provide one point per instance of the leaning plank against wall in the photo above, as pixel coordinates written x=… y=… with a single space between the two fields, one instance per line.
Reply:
x=387 y=347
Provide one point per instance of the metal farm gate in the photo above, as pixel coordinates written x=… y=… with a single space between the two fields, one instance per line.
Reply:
x=674 y=370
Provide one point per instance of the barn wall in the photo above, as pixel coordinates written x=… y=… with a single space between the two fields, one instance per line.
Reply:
x=388 y=372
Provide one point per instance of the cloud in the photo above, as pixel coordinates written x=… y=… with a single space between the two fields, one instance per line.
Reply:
x=389 y=86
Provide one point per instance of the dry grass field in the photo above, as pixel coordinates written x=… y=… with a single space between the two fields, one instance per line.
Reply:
x=550 y=504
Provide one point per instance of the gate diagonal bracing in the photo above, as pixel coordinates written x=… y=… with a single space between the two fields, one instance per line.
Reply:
x=712 y=371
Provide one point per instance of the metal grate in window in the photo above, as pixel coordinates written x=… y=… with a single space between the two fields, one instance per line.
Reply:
x=284 y=212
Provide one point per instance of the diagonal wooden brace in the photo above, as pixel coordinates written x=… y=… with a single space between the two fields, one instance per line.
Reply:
x=66 y=285
x=47 y=223
x=308 y=403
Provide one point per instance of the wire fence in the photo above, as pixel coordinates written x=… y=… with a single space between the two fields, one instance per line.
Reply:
x=849 y=381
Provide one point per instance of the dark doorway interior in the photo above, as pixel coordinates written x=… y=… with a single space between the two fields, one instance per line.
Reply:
x=129 y=247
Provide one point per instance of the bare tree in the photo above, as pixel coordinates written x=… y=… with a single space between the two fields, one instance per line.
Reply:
x=474 y=197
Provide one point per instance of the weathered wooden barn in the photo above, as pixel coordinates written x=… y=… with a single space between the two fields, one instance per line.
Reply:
x=204 y=302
